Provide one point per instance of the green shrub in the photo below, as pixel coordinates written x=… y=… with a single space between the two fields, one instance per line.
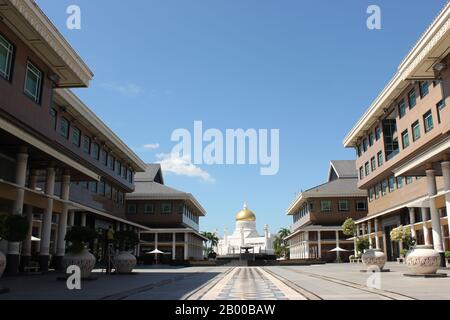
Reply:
x=79 y=237
x=13 y=227
x=126 y=240
x=447 y=254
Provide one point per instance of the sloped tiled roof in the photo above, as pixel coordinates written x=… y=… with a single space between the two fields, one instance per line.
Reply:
x=344 y=168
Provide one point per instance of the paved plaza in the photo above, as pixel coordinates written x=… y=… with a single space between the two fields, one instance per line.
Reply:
x=318 y=282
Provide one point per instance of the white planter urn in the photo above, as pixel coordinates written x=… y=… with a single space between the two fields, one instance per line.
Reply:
x=124 y=262
x=84 y=259
x=374 y=259
x=423 y=260
x=2 y=263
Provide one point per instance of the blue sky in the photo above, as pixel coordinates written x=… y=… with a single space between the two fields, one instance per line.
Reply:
x=308 y=68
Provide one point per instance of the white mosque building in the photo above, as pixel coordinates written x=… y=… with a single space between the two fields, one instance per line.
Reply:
x=245 y=236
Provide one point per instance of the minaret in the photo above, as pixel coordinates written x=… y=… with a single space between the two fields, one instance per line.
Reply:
x=266 y=235
x=242 y=237
x=225 y=236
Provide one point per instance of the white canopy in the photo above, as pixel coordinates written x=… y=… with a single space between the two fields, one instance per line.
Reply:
x=338 y=249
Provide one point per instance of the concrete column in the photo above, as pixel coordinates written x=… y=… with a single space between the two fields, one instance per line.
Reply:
x=319 y=244
x=337 y=245
x=426 y=232
x=412 y=219
x=377 y=239
x=173 y=246
x=446 y=175
x=307 y=244
x=369 y=232
x=435 y=219
x=71 y=218
x=26 y=244
x=186 y=246
x=47 y=221
x=384 y=242
x=13 y=255
x=83 y=219
x=62 y=225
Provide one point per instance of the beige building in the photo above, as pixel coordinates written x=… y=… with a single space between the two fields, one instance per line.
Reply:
x=402 y=143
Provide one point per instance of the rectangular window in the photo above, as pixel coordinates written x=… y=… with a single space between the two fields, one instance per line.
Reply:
x=84 y=184
x=166 y=208
x=108 y=191
x=149 y=208
x=424 y=88
x=131 y=208
x=124 y=172
x=117 y=167
x=391 y=143
x=361 y=205
x=402 y=109
x=409 y=180
x=180 y=208
x=361 y=173
x=371 y=194
x=365 y=144
x=367 y=168
x=93 y=186
x=377 y=191
x=33 y=82
x=412 y=99
x=121 y=196
x=359 y=150
x=54 y=116
x=311 y=206
x=378 y=133
x=130 y=176
x=428 y=121
x=111 y=162
x=115 y=195
x=101 y=188
x=373 y=163
x=439 y=106
x=405 y=139
x=399 y=182
x=416 y=130
x=86 y=144
x=64 y=128
x=325 y=205
x=384 y=186
x=95 y=152
x=380 y=158
x=343 y=205
x=391 y=184
x=104 y=157
x=76 y=137
x=371 y=139
x=6 y=57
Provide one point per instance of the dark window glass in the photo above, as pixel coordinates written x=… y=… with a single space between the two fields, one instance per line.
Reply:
x=166 y=208
x=380 y=158
x=93 y=186
x=367 y=168
x=365 y=144
x=343 y=205
x=390 y=138
x=371 y=139
x=149 y=208
x=391 y=184
x=428 y=121
x=64 y=128
x=439 y=106
x=33 y=82
x=424 y=88
x=111 y=162
x=378 y=133
x=6 y=57
x=405 y=139
x=104 y=157
x=54 y=116
x=361 y=205
x=409 y=180
x=412 y=99
x=361 y=173
x=131 y=208
x=95 y=151
x=373 y=163
x=384 y=186
x=76 y=137
x=415 y=130
x=399 y=182
x=86 y=144
x=402 y=109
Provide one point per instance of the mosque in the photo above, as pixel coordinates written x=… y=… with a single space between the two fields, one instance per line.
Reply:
x=246 y=237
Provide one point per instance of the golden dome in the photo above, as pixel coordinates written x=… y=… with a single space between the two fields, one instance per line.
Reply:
x=245 y=215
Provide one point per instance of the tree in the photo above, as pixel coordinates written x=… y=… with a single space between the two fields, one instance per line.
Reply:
x=13 y=227
x=349 y=227
x=403 y=234
x=362 y=243
x=212 y=241
x=280 y=245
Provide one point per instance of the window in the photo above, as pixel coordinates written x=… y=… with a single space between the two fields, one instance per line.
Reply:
x=325 y=205
x=371 y=139
x=95 y=152
x=359 y=150
x=409 y=180
x=64 y=128
x=377 y=191
x=124 y=172
x=373 y=163
x=391 y=184
x=76 y=137
x=378 y=133
x=371 y=194
x=361 y=205
x=130 y=176
x=412 y=99
x=104 y=157
x=111 y=162
x=402 y=109
x=343 y=205
x=115 y=195
x=180 y=208
x=380 y=158
x=149 y=208
x=361 y=173
x=399 y=182
x=121 y=198
x=405 y=139
x=391 y=143
x=84 y=184
x=6 y=57
x=93 y=186
x=131 y=208
x=166 y=208
x=384 y=186
x=117 y=167
x=101 y=188
x=367 y=168
x=416 y=130
x=86 y=144
x=424 y=88
x=54 y=116
x=311 y=207
x=33 y=82
x=439 y=106
x=428 y=121
x=365 y=144
x=108 y=191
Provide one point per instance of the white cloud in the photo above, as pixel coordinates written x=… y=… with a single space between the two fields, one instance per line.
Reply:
x=182 y=166
x=151 y=146
x=128 y=89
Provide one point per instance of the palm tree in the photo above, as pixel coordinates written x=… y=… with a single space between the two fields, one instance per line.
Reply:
x=212 y=241
x=280 y=245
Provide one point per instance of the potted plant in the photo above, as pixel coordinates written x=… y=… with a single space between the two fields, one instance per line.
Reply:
x=77 y=253
x=447 y=257
x=13 y=228
x=125 y=241
x=373 y=259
